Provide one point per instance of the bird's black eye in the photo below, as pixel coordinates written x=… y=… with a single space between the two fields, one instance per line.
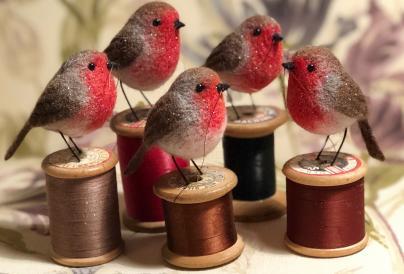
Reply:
x=257 y=31
x=199 y=87
x=311 y=68
x=91 y=66
x=156 y=22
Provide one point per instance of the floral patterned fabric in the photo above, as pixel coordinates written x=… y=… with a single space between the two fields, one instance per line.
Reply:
x=367 y=36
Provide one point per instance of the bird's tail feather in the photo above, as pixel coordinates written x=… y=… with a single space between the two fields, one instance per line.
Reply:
x=20 y=137
x=370 y=141
x=136 y=160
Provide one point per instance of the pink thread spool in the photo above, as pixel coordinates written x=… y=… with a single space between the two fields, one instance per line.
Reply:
x=144 y=212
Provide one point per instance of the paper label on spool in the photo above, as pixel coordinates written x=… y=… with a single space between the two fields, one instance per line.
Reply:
x=90 y=157
x=262 y=114
x=307 y=164
x=209 y=179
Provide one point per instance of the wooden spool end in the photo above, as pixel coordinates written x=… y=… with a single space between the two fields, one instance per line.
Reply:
x=93 y=162
x=271 y=208
x=123 y=123
x=143 y=227
x=327 y=253
x=83 y=262
x=206 y=261
x=215 y=183
x=306 y=170
x=254 y=125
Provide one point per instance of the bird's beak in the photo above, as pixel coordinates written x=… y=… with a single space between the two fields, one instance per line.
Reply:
x=111 y=65
x=178 y=24
x=288 y=65
x=221 y=87
x=277 y=37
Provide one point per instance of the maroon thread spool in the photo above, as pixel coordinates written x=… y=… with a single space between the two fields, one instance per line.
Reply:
x=144 y=212
x=325 y=205
x=83 y=207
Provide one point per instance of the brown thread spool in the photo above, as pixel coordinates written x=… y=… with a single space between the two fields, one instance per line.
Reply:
x=199 y=218
x=83 y=207
x=325 y=205
x=248 y=148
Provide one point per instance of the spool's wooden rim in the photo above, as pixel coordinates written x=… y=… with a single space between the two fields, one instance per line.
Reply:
x=144 y=227
x=93 y=162
x=81 y=262
x=270 y=208
x=216 y=182
x=303 y=170
x=122 y=126
x=207 y=261
x=263 y=123
x=327 y=253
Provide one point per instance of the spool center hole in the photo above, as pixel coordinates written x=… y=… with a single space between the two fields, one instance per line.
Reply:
x=193 y=178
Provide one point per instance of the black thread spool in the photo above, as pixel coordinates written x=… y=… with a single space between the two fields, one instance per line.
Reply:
x=325 y=205
x=83 y=207
x=199 y=218
x=248 y=147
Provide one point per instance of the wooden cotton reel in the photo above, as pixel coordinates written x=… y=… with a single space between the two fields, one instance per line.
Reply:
x=83 y=207
x=325 y=205
x=144 y=212
x=248 y=147
x=199 y=218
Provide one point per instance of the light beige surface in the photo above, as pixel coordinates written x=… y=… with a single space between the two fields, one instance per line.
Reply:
x=145 y=227
x=262 y=210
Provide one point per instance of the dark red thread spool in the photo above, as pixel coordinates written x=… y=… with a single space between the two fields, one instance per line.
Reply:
x=199 y=218
x=325 y=205
x=83 y=207
x=144 y=212
x=248 y=147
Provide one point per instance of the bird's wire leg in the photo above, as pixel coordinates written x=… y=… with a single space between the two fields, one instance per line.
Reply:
x=340 y=146
x=197 y=168
x=127 y=101
x=232 y=105
x=254 y=107
x=321 y=151
x=76 y=146
x=179 y=170
x=147 y=100
x=70 y=148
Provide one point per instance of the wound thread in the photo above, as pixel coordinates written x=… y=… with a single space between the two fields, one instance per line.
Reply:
x=200 y=229
x=84 y=215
